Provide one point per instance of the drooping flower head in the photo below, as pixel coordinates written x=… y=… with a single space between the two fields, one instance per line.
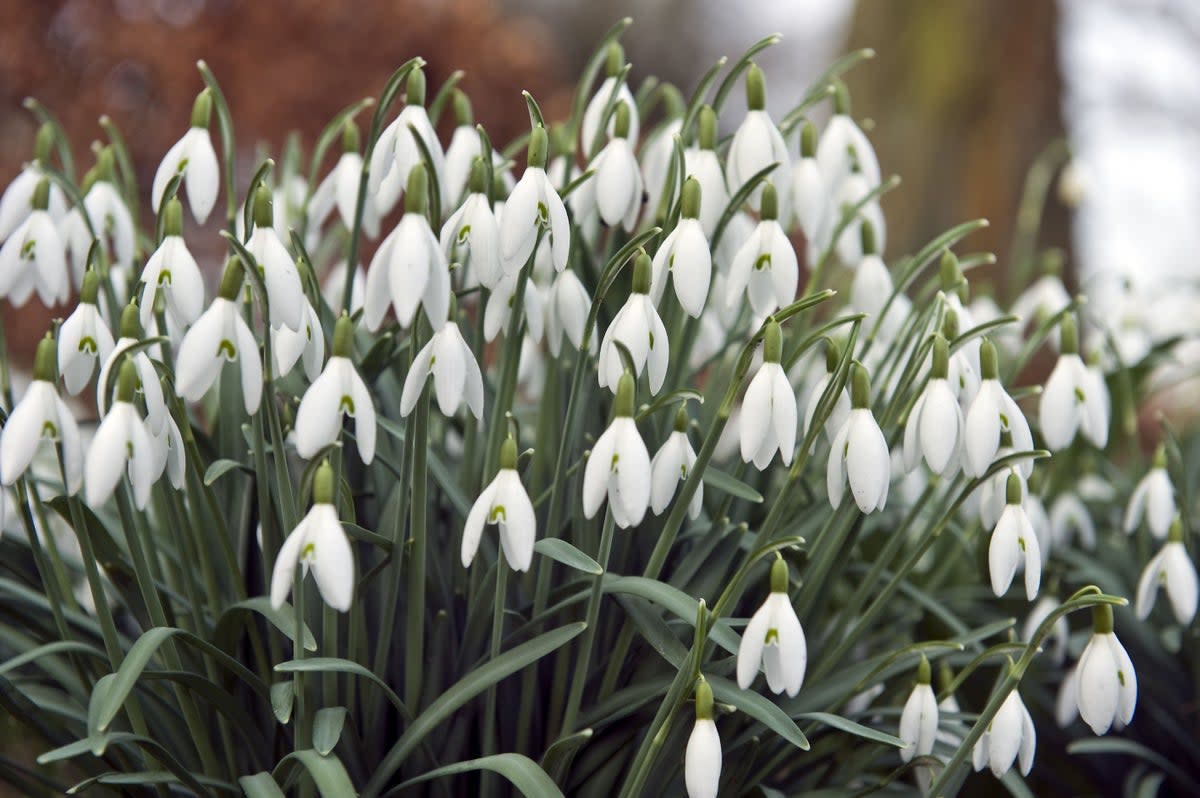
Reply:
x=671 y=466
x=1105 y=688
x=84 y=338
x=619 y=466
x=774 y=640
x=1075 y=399
x=194 y=158
x=338 y=392
x=859 y=453
x=638 y=327
x=702 y=758
x=685 y=256
x=320 y=544
x=769 y=413
x=919 y=718
x=504 y=503
x=1173 y=571
x=172 y=273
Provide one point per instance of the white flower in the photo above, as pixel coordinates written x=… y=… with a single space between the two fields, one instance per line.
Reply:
x=593 y=114
x=843 y=144
x=567 y=308
x=1107 y=683
x=757 y=144
x=456 y=376
x=499 y=307
x=1010 y=734
x=172 y=270
x=657 y=153
x=992 y=412
x=121 y=443
x=769 y=413
x=534 y=206
x=638 y=327
x=810 y=201
x=935 y=423
x=339 y=190
x=1013 y=543
x=83 y=339
x=859 y=453
x=110 y=219
x=1171 y=569
x=685 y=256
x=619 y=465
x=671 y=466
x=1066 y=703
x=471 y=237
x=1060 y=633
x=193 y=156
x=840 y=412
x=308 y=343
x=464 y=149
x=33 y=257
x=1153 y=499
x=40 y=415
x=396 y=153
x=1069 y=517
x=320 y=542
x=169 y=454
x=147 y=376
x=409 y=269
x=775 y=640
x=505 y=503
x=335 y=284
x=1041 y=300
x=702 y=757
x=285 y=294
x=766 y=263
x=871 y=289
x=702 y=163
x=339 y=391
x=17 y=201
x=919 y=718
x=1075 y=398
x=852 y=191
x=220 y=335
x=618 y=184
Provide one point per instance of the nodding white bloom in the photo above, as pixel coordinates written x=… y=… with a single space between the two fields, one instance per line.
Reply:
x=853 y=190
x=219 y=336
x=169 y=455
x=774 y=640
x=619 y=465
x=757 y=144
x=285 y=293
x=110 y=220
x=1106 y=684
x=843 y=144
x=409 y=268
x=993 y=493
x=41 y=414
x=567 y=309
x=173 y=271
x=1075 y=398
x=702 y=163
x=471 y=235
x=1060 y=634
x=935 y=424
x=192 y=156
x=147 y=383
x=456 y=377
x=671 y=466
x=334 y=286
x=769 y=413
x=1069 y=518
x=685 y=256
x=766 y=263
x=16 y=202
x=657 y=153
x=1014 y=543
x=618 y=178
x=1153 y=499
x=859 y=453
x=34 y=257
x=534 y=206
x=702 y=758
x=464 y=148
x=307 y=343
x=319 y=544
x=1010 y=737
x=919 y=718
x=339 y=190
x=499 y=307
x=121 y=443
x=992 y=412
x=83 y=339
x=638 y=327
x=397 y=152
x=1171 y=569
x=810 y=193
x=1041 y=300
x=872 y=291
x=613 y=90
x=1066 y=703
x=839 y=414
x=505 y=503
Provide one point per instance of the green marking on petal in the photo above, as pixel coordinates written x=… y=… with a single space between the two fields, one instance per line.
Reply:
x=29 y=250
x=651 y=340
x=309 y=552
x=1021 y=543
x=615 y=459
x=227 y=349
x=543 y=215
x=1004 y=421
x=772 y=637
x=346 y=405
x=1079 y=396
x=164 y=277
x=498 y=514
x=463 y=233
x=1121 y=677
x=49 y=430
x=763 y=262
x=87 y=344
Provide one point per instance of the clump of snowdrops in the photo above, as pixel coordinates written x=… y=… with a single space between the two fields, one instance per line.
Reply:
x=602 y=488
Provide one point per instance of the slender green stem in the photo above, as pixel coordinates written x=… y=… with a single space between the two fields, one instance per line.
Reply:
x=489 y=715
x=414 y=653
x=584 y=662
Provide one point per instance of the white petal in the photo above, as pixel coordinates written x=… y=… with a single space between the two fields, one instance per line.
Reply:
x=1004 y=551
x=1099 y=687
x=203 y=174
x=633 y=471
x=319 y=417
x=835 y=472
x=702 y=761
x=332 y=558
x=286 y=561
x=519 y=530
x=867 y=461
x=596 y=471
x=665 y=474
x=793 y=648
x=250 y=367
x=1181 y=582
x=1126 y=680
x=414 y=381
x=751 y=649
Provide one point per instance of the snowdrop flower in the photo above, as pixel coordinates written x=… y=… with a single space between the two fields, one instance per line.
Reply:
x=285 y=293
x=110 y=218
x=320 y=544
x=121 y=444
x=172 y=271
x=334 y=286
x=169 y=455
x=409 y=268
x=766 y=263
x=219 y=336
x=685 y=256
x=397 y=153
x=339 y=190
x=611 y=92
x=456 y=376
x=1069 y=518
x=464 y=148
x=619 y=465
x=843 y=144
x=618 y=179
x=40 y=415
x=84 y=338
x=1060 y=633
x=147 y=384
x=992 y=412
x=657 y=153
x=839 y=414
x=671 y=466
x=769 y=413
x=1014 y=543
x=17 y=200
x=307 y=344
x=853 y=192
x=1066 y=703
x=702 y=758
x=859 y=453
x=1010 y=737
x=471 y=235
x=532 y=207
x=810 y=193
x=775 y=640
x=33 y=257
x=702 y=163
x=1075 y=398
x=1043 y=299
x=1153 y=499
x=192 y=156
x=639 y=329
x=935 y=424
x=757 y=144
x=567 y=309
x=919 y=718
x=1106 y=691
x=500 y=303
x=505 y=503
x=338 y=391
x=1171 y=569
